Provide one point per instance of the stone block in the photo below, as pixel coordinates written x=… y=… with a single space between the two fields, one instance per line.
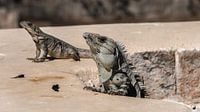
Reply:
x=158 y=71
x=188 y=75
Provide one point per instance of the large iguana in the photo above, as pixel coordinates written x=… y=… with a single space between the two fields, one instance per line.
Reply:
x=115 y=73
x=52 y=46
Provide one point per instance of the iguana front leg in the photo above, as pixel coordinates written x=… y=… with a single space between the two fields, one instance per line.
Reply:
x=37 y=53
x=41 y=54
x=114 y=90
x=98 y=88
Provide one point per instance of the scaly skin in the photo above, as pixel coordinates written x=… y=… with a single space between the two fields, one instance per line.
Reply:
x=115 y=73
x=52 y=46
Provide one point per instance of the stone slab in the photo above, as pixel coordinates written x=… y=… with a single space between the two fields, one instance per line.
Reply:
x=31 y=95
x=188 y=77
x=157 y=69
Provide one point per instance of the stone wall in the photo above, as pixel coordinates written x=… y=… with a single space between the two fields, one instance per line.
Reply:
x=71 y=12
x=167 y=74
x=170 y=73
x=158 y=72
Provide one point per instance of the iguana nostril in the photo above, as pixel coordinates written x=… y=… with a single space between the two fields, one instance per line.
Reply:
x=86 y=35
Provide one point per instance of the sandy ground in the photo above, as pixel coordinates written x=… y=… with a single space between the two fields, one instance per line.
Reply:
x=34 y=94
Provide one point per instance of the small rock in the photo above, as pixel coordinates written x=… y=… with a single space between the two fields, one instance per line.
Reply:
x=56 y=87
x=19 y=76
x=195 y=109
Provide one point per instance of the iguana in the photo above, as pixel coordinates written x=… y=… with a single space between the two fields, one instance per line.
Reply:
x=52 y=46
x=115 y=73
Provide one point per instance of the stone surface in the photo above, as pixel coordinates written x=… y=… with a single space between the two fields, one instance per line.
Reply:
x=158 y=71
x=188 y=78
x=33 y=93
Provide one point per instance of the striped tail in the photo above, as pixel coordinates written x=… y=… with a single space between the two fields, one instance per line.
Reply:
x=84 y=53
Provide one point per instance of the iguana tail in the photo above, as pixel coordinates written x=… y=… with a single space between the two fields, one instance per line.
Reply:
x=84 y=53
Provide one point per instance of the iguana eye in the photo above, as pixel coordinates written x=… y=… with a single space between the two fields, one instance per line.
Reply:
x=102 y=39
x=30 y=24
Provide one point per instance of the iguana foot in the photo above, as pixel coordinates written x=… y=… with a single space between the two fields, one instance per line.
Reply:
x=89 y=85
x=90 y=88
x=96 y=89
x=39 y=60
x=36 y=60
x=30 y=59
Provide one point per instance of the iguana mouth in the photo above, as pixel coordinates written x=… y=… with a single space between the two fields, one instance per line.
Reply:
x=24 y=24
x=28 y=26
x=93 y=44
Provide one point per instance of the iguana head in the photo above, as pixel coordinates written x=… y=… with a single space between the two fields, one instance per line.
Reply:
x=99 y=43
x=104 y=51
x=32 y=29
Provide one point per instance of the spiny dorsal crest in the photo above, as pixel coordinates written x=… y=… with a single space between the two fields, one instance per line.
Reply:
x=127 y=57
x=129 y=64
x=120 y=45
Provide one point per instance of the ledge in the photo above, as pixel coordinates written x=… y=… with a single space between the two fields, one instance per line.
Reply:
x=34 y=93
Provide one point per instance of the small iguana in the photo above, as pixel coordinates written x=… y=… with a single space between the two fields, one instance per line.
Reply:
x=115 y=73
x=52 y=46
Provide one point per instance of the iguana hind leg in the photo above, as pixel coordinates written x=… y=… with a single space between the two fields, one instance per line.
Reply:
x=76 y=57
x=37 y=53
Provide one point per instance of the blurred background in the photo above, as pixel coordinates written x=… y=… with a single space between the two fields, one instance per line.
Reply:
x=81 y=12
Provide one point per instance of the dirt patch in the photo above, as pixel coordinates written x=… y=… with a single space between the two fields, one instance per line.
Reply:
x=45 y=78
